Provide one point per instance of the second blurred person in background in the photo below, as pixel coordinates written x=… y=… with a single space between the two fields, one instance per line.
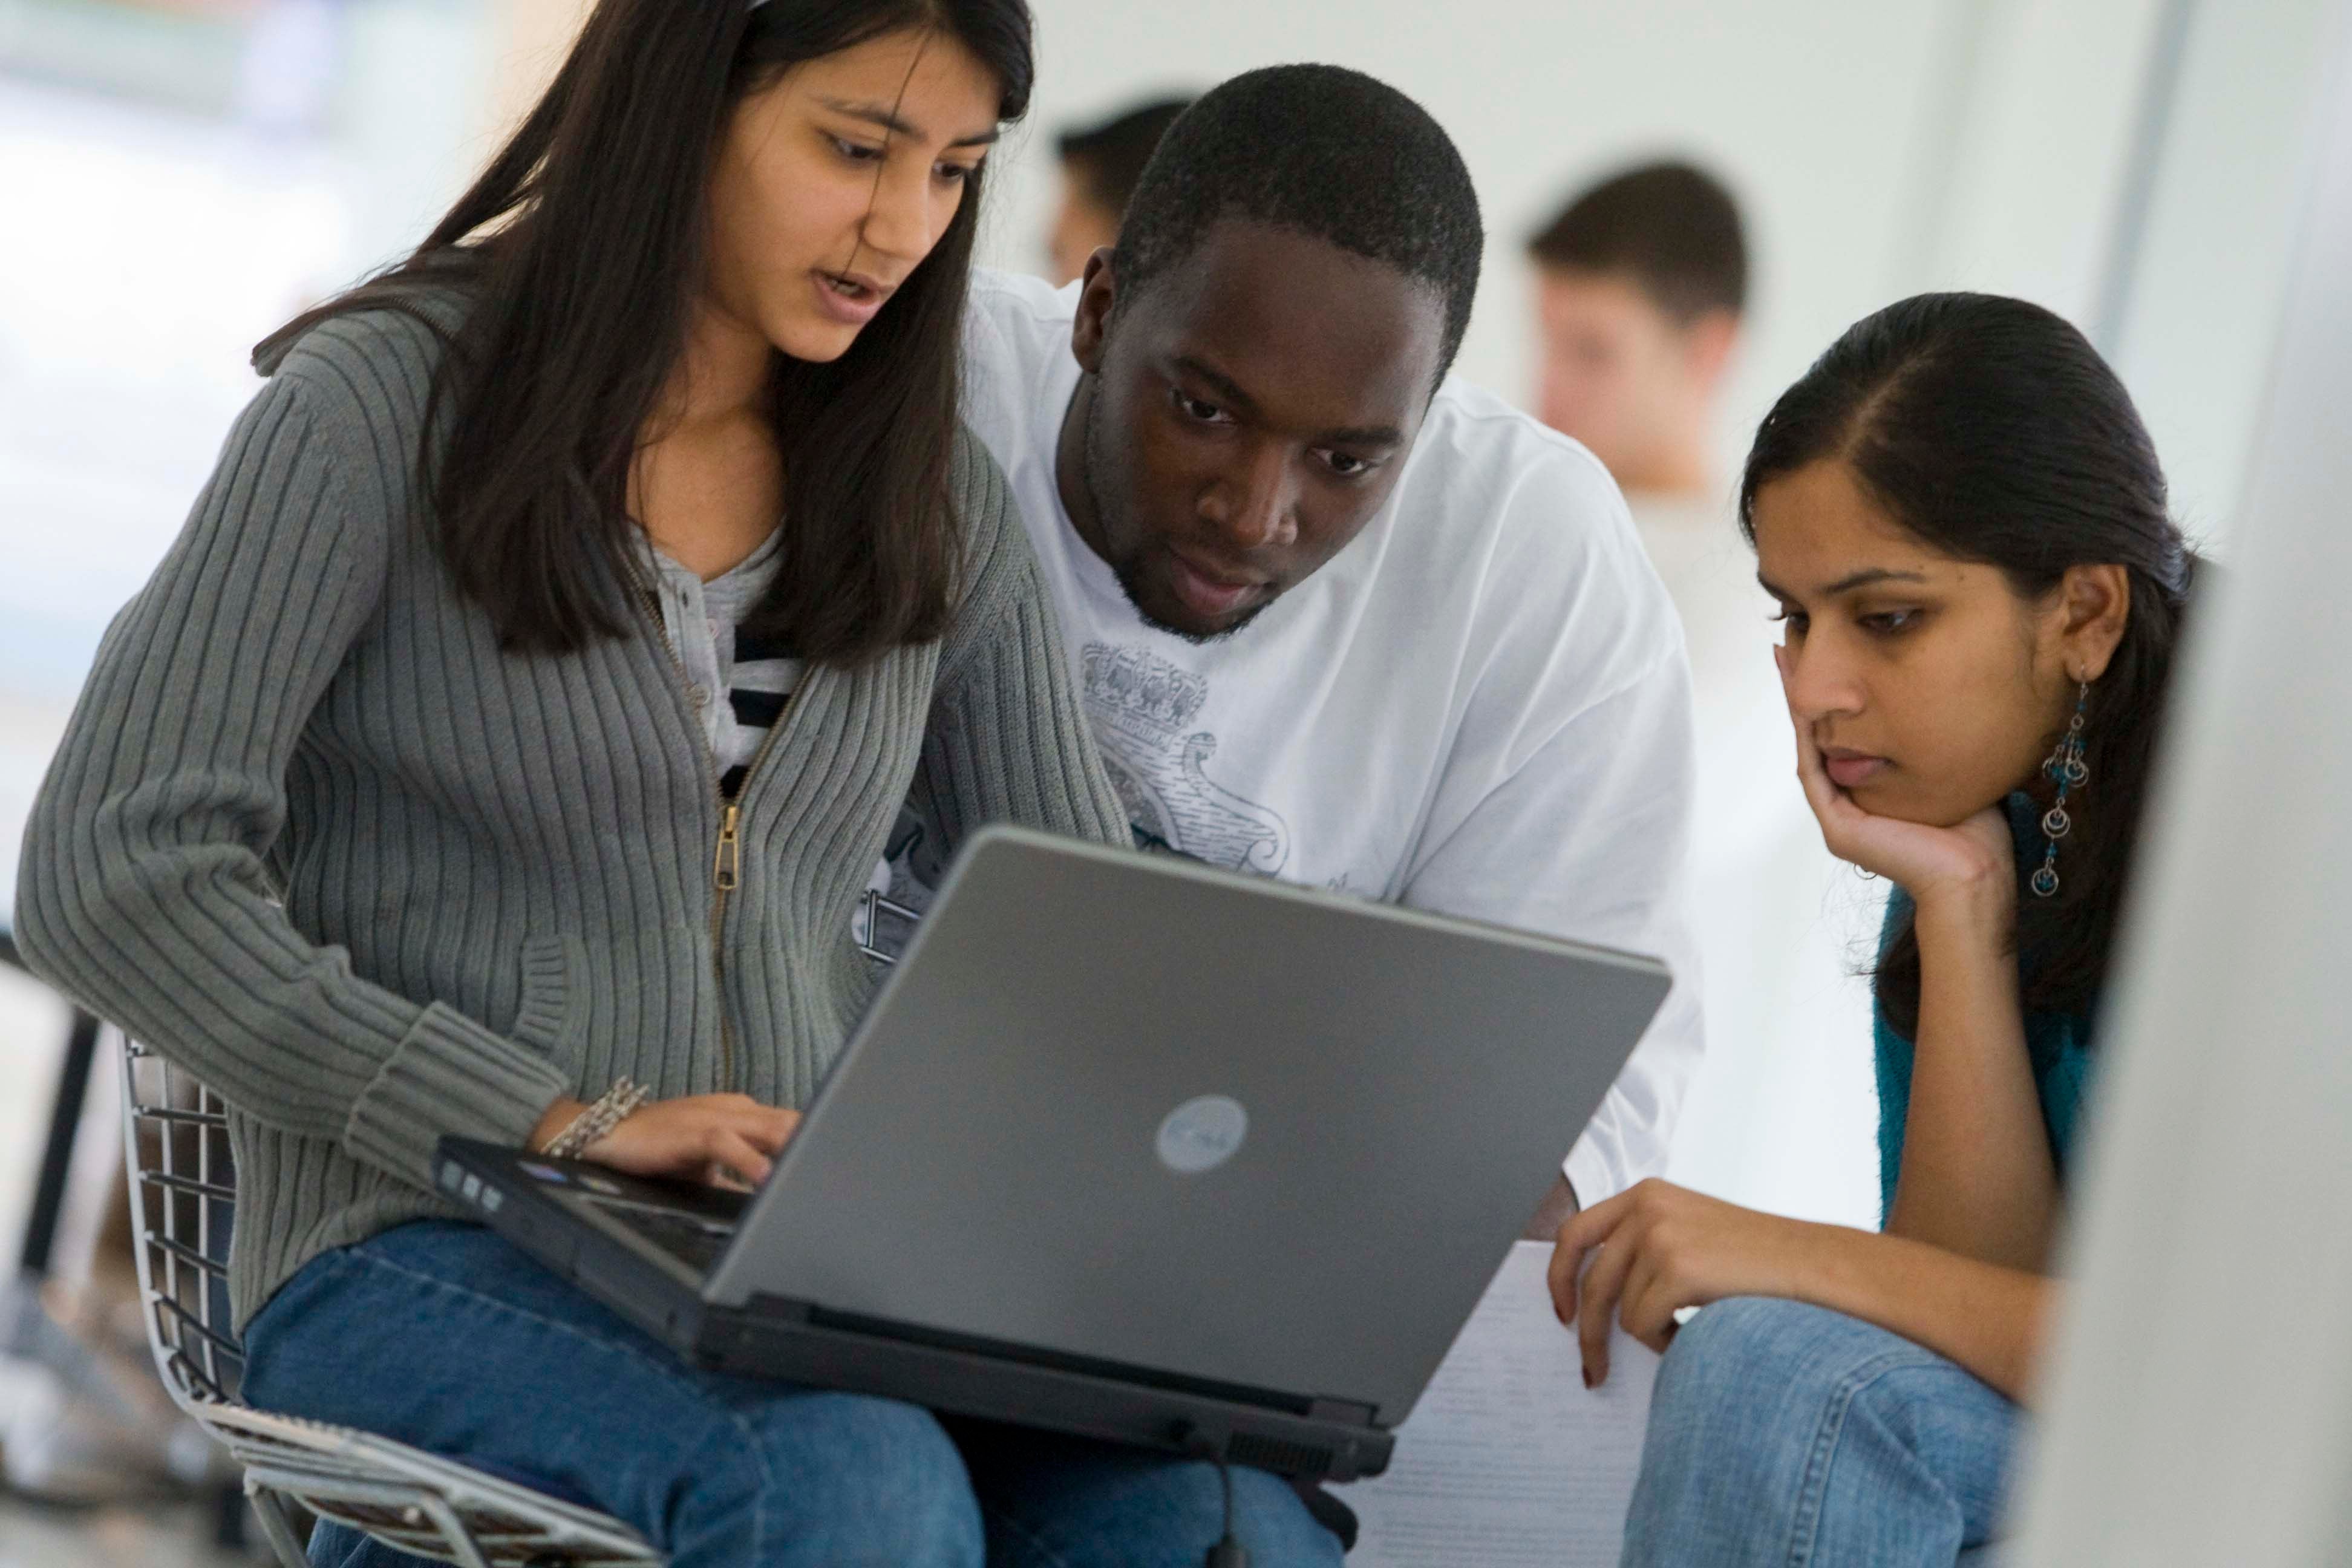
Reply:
x=1100 y=166
x=1642 y=283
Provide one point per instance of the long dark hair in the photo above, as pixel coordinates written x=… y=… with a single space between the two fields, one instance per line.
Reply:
x=1993 y=431
x=579 y=253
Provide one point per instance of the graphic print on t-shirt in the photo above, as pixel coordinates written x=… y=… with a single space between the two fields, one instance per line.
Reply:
x=1142 y=709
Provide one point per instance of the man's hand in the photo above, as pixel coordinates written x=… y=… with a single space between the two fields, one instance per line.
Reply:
x=709 y=1138
x=1559 y=1207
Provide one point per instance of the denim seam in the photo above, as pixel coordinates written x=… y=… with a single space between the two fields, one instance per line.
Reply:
x=1812 y=1491
x=767 y=1486
x=357 y=1255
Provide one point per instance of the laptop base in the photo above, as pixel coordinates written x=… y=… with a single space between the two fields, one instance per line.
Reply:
x=561 y=1226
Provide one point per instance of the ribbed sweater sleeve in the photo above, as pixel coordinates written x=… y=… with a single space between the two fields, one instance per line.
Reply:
x=145 y=892
x=1008 y=739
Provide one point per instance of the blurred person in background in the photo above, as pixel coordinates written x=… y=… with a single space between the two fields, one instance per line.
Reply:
x=1641 y=284
x=1641 y=287
x=1100 y=166
x=513 y=728
x=1965 y=528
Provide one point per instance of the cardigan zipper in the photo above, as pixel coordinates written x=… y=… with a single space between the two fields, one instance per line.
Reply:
x=726 y=876
x=727 y=856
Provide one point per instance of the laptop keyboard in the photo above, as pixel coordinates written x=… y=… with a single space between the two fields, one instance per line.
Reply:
x=692 y=1240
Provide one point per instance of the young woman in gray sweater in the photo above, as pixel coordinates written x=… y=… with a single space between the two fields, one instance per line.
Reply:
x=521 y=714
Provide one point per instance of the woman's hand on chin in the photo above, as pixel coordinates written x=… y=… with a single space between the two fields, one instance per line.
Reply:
x=1658 y=1248
x=1968 y=871
x=725 y=1140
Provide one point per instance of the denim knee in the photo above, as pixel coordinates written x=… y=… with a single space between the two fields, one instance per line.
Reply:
x=1735 y=1347
x=834 y=1478
x=1782 y=1433
x=1793 y=1356
x=1741 y=1380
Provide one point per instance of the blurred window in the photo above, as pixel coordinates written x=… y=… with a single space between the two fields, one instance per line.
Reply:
x=173 y=199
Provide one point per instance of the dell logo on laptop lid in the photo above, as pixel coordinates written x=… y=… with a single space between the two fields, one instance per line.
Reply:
x=1202 y=1134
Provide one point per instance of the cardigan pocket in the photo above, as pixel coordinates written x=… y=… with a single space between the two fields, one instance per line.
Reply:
x=553 y=1013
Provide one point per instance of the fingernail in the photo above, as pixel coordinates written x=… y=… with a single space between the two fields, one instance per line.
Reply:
x=1588 y=1376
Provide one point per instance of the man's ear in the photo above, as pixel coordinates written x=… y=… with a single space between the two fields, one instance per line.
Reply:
x=1707 y=345
x=1097 y=298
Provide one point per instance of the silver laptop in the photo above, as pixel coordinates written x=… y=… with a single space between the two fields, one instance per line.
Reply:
x=1132 y=1147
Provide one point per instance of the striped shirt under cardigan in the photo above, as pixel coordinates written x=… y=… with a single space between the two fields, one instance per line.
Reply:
x=738 y=684
x=315 y=836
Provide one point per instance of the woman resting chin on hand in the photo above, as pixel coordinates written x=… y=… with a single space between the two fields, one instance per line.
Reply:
x=1964 y=522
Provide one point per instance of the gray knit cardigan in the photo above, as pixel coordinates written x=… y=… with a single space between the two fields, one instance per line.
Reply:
x=315 y=836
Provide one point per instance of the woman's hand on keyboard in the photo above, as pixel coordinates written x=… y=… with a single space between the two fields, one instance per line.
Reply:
x=725 y=1140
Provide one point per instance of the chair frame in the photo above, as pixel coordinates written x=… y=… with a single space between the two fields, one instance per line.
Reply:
x=183 y=1187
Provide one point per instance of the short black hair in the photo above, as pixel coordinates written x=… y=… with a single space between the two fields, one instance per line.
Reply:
x=1673 y=227
x=1330 y=153
x=1107 y=158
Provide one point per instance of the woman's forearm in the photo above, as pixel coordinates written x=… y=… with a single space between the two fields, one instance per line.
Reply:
x=1977 y=1177
x=1988 y=1319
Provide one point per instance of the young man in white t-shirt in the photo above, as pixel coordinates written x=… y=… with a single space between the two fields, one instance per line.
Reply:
x=1338 y=623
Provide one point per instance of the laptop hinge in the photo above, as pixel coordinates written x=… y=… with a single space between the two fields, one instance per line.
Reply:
x=1344 y=1412
x=764 y=1306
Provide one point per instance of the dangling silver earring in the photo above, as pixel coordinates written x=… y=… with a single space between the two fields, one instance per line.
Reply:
x=2067 y=769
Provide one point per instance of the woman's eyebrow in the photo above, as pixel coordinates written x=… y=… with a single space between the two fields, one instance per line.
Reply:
x=1868 y=577
x=1871 y=578
x=883 y=117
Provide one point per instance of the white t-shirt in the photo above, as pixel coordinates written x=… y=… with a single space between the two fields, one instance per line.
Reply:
x=1480 y=707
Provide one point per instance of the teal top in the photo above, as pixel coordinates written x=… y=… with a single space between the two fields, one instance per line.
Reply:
x=2058 y=1043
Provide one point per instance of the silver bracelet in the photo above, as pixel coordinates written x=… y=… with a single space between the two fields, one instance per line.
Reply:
x=591 y=1126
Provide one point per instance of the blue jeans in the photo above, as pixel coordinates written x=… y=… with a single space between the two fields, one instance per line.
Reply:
x=443 y=1337
x=1784 y=1434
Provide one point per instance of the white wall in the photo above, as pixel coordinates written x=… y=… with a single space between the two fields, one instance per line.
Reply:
x=2203 y=314
x=2048 y=95
x=2200 y=1408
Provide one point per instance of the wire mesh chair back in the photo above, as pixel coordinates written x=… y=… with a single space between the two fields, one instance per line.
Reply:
x=882 y=929
x=183 y=1174
x=183 y=1195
